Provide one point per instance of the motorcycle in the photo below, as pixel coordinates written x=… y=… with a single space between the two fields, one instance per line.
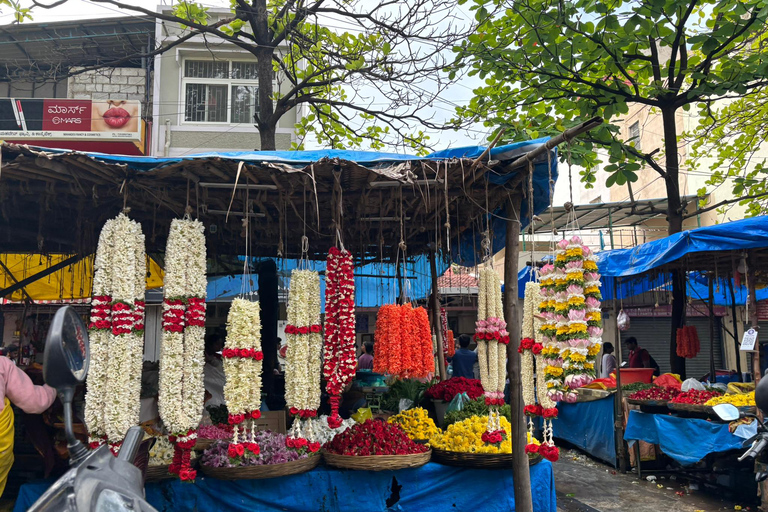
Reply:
x=728 y=412
x=97 y=480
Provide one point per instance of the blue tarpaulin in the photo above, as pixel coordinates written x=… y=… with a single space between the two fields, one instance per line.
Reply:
x=430 y=488
x=589 y=427
x=685 y=440
x=731 y=236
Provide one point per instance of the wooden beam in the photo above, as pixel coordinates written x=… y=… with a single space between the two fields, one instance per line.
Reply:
x=520 y=468
x=437 y=324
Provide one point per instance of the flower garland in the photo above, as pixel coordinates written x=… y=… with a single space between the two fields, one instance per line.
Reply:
x=449 y=343
x=182 y=390
x=116 y=332
x=531 y=348
x=404 y=345
x=242 y=366
x=340 y=364
x=492 y=340
x=305 y=343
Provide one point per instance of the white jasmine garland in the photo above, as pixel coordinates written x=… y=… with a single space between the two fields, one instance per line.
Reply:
x=242 y=390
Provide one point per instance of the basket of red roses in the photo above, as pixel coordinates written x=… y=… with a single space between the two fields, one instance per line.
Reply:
x=375 y=446
x=267 y=457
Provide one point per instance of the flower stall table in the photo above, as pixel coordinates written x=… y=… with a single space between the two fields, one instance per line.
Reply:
x=589 y=427
x=430 y=488
x=685 y=440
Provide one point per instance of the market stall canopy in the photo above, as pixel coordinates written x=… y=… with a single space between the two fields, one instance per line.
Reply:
x=55 y=277
x=709 y=248
x=57 y=201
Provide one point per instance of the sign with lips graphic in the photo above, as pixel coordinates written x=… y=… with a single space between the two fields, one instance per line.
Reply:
x=67 y=119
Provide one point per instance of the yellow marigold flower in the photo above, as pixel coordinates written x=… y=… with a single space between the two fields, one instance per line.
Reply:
x=590 y=265
x=594 y=315
x=594 y=349
x=554 y=371
x=574 y=251
x=591 y=289
x=575 y=276
x=577 y=357
x=576 y=301
x=575 y=328
x=560 y=257
x=589 y=366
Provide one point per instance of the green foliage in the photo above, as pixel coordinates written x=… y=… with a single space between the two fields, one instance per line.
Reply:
x=474 y=408
x=19 y=13
x=548 y=65
x=411 y=389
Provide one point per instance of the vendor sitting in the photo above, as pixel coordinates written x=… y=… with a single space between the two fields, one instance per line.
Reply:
x=17 y=388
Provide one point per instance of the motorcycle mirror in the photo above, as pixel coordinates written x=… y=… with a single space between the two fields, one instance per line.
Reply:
x=726 y=412
x=761 y=395
x=65 y=366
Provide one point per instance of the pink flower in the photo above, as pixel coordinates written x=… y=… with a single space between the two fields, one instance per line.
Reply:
x=576 y=315
x=562 y=244
x=547 y=269
x=575 y=289
x=594 y=332
x=592 y=276
x=586 y=251
x=574 y=264
x=571 y=397
x=592 y=303
x=576 y=240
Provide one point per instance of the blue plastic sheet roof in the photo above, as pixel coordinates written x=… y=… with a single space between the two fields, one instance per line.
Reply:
x=738 y=235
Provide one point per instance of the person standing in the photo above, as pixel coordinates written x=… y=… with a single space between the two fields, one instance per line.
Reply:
x=608 y=365
x=640 y=358
x=17 y=388
x=464 y=360
x=365 y=361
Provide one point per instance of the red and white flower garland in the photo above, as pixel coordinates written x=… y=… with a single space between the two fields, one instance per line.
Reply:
x=492 y=339
x=242 y=366
x=116 y=332
x=182 y=389
x=305 y=344
x=339 y=351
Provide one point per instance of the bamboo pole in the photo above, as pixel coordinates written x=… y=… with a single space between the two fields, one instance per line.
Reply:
x=712 y=369
x=522 y=477
x=436 y=323
x=618 y=404
x=753 y=319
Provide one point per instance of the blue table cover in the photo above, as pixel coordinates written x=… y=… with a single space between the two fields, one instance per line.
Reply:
x=430 y=488
x=589 y=427
x=686 y=440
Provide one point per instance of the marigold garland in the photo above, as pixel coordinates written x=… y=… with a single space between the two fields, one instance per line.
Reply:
x=116 y=332
x=303 y=355
x=243 y=357
x=340 y=364
x=404 y=346
x=688 y=344
x=182 y=389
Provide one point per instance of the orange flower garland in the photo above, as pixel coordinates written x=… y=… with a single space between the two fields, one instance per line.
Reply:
x=403 y=342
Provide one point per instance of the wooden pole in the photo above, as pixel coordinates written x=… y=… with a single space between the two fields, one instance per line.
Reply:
x=753 y=319
x=735 y=330
x=712 y=369
x=618 y=404
x=522 y=476
x=436 y=323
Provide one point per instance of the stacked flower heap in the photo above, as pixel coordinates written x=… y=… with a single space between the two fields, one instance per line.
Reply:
x=416 y=423
x=374 y=437
x=467 y=436
x=340 y=363
x=448 y=389
x=116 y=332
x=182 y=391
x=303 y=356
x=403 y=342
x=492 y=340
x=573 y=324
x=273 y=451
x=531 y=349
x=242 y=366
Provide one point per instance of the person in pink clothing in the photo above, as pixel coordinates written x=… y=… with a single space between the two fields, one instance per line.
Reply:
x=17 y=389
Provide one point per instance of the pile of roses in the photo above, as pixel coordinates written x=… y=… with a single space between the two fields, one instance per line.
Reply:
x=448 y=389
x=374 y=437
x=695 y=397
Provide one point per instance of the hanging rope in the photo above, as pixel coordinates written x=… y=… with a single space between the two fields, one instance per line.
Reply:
x=531 y=219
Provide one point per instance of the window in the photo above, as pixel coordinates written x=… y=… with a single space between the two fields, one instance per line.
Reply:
x=220 y=91
x=634 y=135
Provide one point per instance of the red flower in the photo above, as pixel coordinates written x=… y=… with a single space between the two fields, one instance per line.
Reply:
x=303 y=330
x=258 y=355
x=531 y=448
x=294 y=411
x=232 y=451
x=526 y=343
x=240 y=449
x=256 y=414
x=245 y=352
x=533 y=410
x=314 y=447
x=537 y=348
x=315 y=328
x=254 y=448
x=550 y=413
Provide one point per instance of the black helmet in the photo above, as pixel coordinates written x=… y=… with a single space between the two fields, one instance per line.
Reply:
x=761 y=394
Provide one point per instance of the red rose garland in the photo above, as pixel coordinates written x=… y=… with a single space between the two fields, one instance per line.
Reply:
x=339 y=349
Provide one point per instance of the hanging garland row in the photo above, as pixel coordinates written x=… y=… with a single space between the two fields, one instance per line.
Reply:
x=305 y=344
x=243 y=357
x=116 y=332
x=404 y=346
x=449 y=343
x=340 y=363
x=492 y=339
x=182 y=389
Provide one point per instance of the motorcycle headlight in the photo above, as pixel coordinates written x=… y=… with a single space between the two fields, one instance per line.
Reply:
x=113 y=501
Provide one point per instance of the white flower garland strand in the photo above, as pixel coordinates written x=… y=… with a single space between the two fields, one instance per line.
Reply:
x=117 y=332
x=182 y=388
x=243 y=366
x=305 y=343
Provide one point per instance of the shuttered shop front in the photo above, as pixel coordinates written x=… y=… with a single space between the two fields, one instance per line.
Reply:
x=653 y=335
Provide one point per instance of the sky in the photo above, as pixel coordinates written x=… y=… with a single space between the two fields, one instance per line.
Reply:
x=458 y=93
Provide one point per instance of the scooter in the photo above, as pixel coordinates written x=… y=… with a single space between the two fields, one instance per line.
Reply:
x=98 y=481
x=728 y=412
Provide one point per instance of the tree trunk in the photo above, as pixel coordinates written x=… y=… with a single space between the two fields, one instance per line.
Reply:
x=522 y=477
x=265 y=118
x=675 y=220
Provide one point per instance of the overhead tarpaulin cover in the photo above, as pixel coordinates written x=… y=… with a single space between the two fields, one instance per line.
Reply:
x=731 y=236
x=69 y=283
